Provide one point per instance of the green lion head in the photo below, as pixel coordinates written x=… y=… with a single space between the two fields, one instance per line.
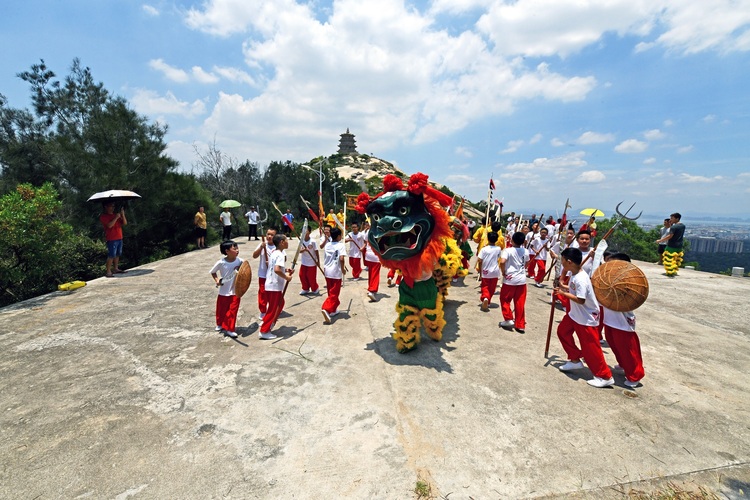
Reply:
x=401 y=225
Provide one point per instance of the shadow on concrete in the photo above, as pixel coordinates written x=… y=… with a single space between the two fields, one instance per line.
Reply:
x=428 y=353
x=133 y=272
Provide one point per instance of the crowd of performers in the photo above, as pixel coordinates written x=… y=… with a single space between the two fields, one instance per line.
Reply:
x=408 y=229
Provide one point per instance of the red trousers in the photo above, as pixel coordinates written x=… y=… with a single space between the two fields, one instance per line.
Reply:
x=275 y=306
x=332 y=302
x=262 y=298
x=590 y=351
x=627 y=350
x=541 y=269
x=308 y=276
x=489 y=285
x=516 y=294
x=373 y=276
x=531 y=264
x=227 y=307
x=356 y=263
x=392 y=273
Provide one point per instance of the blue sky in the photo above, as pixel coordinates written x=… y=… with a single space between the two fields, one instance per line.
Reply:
x=645 y=101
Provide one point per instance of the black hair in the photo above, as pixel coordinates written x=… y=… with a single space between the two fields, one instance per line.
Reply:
x=492 y=237
x=226 y=245
x=676 y=215
x=273 y=228
x=583 y=231
x=619 y=256
x=518 y=238
x=277 y=238
x=496 y=226
x=335 y=233
x=572 y=254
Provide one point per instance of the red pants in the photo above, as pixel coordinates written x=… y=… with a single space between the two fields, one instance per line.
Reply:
x=489 y=285
x=531 y=264
x=392 y=273
x=590 y=349
x=356 y=263
x=517 y=294
x=227 y=307
x=332 y=302
x=373 y=276
x=308 y=276
x=275 y=306
x=627 y=350
x=541 y=269
x=262 y=298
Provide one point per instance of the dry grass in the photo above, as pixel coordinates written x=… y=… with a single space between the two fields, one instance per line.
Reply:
x=674 y=492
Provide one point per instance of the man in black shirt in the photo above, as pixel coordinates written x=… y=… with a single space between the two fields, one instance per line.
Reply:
x=672 y=256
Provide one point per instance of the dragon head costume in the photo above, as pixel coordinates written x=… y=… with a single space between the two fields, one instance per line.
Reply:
x=411 y=231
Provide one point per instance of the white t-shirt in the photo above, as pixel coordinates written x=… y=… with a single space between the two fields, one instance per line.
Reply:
x=252 y=217
x=226 y=218
x=516 y=259
x=274 y=282
x=226 y=271
x=331 y=264
x=263 y=264
x=588 y=312
x=621 y=320
x=359 y=240
x=551 y=230
x=540 y=247
x=490 y=266
x=370 y=256
x=305 y=258
x=529 y=237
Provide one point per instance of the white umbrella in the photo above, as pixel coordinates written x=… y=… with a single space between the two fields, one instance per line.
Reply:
x=114 y=195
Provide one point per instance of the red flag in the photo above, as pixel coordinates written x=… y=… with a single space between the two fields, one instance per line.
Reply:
x=492 y=184
x=288 y=222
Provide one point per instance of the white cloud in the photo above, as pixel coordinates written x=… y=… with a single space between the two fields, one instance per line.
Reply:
x=150 y=103
x=631 y=146
x=150 y=10
x=595 y=138
x=559 y=164
x=170 y=72
x=668 y=123
x=654 y=135
x=692 y=179
x=535 y=139
x=685 y=149
x=591 y=177
x=709 y=118
x=234 y=75
x=649 y=161
x=513 y=146
x=556 y=142
x=463 y=151
x=202 y=76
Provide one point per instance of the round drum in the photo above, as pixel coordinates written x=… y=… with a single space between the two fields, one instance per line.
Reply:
x=620 y=286
x=243 y=279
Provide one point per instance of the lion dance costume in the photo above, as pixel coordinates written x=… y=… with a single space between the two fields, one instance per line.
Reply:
x=411 y=232
x=672 y=258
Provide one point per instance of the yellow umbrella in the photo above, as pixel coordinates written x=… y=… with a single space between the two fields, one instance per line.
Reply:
x=592 y=212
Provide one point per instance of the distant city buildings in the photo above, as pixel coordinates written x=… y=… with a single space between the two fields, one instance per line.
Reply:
x=714 y=245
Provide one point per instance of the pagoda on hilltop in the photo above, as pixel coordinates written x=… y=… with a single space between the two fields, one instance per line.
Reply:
x=347 y=144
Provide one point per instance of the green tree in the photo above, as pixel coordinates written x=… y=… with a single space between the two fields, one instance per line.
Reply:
x=38 y=250
x=630 y=238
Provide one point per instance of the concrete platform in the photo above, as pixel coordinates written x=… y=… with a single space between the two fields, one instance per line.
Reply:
x=122 y=389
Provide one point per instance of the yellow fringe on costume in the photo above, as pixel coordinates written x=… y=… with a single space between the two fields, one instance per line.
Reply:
x=432 y=319
x=672 y=261
x=406 y=334
x=448 y=266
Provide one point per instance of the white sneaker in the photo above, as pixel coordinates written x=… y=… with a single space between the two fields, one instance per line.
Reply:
x=304 y=292
x=508 y=324
x=601 y=382
x=632 y=385
x=371 y=296
x=485 y=304
x=267 y=336
x=335 y=313
x=217 y=329
x=261 y=315
x=326 y=317
x=538 y=285
x=571 y=365
x=231 y=334
x=316 y=292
